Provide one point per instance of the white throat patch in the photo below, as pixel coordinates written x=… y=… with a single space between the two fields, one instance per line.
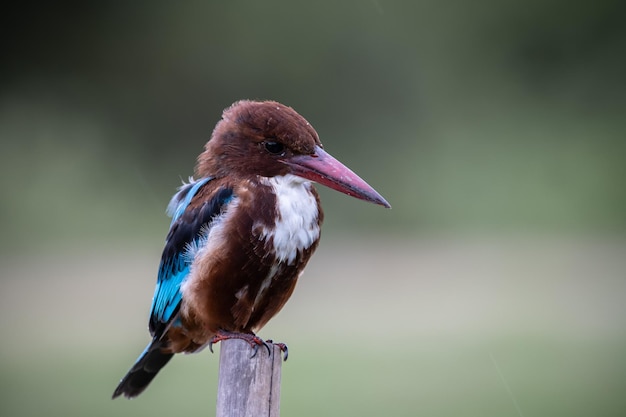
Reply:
x=297 y=228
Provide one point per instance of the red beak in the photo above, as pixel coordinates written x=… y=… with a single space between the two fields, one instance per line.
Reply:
x=322 y=168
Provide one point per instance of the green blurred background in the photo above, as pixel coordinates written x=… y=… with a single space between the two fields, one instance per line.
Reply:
x=496 y=286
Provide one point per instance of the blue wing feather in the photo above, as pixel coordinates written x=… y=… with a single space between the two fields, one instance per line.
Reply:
x=183 y=197
x=189 y=226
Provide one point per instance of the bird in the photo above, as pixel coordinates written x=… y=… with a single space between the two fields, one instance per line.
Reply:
x=243 y=228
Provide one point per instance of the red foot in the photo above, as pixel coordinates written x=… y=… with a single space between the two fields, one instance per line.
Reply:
x=253 y=340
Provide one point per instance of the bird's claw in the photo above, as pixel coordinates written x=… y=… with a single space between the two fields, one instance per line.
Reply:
x=259 y=342
x=283 y=348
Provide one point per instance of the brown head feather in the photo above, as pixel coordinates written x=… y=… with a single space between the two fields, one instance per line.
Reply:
x=237 y=145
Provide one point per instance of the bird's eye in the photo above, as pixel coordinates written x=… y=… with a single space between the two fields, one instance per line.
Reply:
x=275 y=148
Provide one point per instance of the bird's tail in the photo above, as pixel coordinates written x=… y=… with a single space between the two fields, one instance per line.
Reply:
x=144 y=370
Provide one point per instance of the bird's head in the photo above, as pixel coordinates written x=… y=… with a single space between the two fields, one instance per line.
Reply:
x=270 y=139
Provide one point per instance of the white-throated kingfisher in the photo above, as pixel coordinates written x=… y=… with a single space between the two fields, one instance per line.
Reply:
x=241 y=233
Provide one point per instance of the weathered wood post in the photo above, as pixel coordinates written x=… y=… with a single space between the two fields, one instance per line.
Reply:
x=248 y=387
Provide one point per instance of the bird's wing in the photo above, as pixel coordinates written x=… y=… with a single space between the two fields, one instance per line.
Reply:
x=192 y=216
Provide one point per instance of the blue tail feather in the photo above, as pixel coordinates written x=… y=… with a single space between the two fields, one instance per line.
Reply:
x=149 y=363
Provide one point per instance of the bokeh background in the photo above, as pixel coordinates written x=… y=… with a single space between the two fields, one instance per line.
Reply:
x=496 y=286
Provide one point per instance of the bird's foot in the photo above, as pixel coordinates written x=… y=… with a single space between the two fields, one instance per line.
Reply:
x=253 y=340
x=283 y=348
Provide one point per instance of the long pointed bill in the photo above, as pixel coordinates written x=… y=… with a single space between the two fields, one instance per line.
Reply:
x=322 y=168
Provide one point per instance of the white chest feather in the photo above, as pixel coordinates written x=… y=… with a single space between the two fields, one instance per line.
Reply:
x=297 y=227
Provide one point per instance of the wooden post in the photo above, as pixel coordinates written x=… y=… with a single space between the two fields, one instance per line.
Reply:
x=248 y=387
